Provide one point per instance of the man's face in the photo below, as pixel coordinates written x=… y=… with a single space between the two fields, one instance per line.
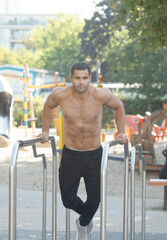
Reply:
x=81 y=80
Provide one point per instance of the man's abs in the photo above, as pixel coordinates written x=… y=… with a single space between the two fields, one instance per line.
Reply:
x=78 y=139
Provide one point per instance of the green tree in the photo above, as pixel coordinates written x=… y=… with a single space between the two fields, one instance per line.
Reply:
x=57 y=45
x=25 y=56
x=97 y=31
x=145 y=72
x=145 y=20
x=8 y=57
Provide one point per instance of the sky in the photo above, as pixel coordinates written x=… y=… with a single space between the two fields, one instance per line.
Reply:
x=84 y=8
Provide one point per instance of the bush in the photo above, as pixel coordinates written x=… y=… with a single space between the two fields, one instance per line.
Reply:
x=18 y=112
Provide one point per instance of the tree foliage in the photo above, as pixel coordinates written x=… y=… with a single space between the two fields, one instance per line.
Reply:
x=130 y=65
x=57 y=45
x=97 y=31
x=8 y=57
x=146 y=20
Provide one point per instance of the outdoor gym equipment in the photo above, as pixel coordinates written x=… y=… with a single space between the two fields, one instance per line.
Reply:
x=13 y=187
x=106 y=147
x=103 y=210
x=126 y=189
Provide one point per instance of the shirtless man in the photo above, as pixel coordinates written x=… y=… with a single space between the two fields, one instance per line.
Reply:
x=82 y=107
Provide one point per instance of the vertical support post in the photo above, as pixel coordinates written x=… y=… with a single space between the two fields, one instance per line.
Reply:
x=31 y=107
x=89 y=236
x=103 y=191
x=13 y=187
x=165 y=198
x=44 y=198
x=103 y=185
x=143 y=197
x=56 y=109
x=54 y=190
x=12 y=192
x=67 y=224
x=126 y=191
x=132 y=225
x=25 y=106
x=132 y=209
x=61 y=131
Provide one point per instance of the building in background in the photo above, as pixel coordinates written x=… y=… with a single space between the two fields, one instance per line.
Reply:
x=14 y=74
x=15 y=27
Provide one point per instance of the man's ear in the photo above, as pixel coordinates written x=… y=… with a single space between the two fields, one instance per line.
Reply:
x=90 y=77
x=70 y=78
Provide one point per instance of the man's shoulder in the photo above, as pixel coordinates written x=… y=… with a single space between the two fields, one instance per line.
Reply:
x=60 y=93
x=100 y=93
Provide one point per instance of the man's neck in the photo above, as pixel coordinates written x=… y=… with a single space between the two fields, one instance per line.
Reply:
x=80 y=96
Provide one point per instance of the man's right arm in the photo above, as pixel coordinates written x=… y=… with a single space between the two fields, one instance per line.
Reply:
x=49 y=106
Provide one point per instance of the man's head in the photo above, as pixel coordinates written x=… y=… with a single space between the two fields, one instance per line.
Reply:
x=80 y=77
x=80 y=66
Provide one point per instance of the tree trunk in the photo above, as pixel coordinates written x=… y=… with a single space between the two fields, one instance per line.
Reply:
x=149 y=104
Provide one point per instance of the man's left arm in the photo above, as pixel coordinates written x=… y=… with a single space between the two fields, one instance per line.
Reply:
x=119 y=115
x=114 y=103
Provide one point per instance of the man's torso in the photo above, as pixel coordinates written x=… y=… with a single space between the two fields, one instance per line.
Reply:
x=82 y=119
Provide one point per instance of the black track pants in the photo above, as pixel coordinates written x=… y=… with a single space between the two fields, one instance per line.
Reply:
x=74 y=165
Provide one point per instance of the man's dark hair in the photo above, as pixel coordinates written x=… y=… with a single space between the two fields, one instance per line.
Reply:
x=80 y=66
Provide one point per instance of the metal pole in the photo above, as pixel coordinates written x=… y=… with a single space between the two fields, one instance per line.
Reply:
x=89 y=236
x=12 y=191
x=132 y=225
x=44 y=189
x=103 y=190
x=126 y=191
x=143 y=197
x=13 y=187
x=67 y=224
x=142 y=160
x=54 y=189
x=44 y=198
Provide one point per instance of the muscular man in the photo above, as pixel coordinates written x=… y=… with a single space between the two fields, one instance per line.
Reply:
x=82 y=108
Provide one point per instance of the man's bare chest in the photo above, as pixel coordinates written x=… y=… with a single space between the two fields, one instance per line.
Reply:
x=83 y=111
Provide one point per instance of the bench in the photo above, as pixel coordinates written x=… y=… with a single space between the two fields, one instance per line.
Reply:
x=160 y=182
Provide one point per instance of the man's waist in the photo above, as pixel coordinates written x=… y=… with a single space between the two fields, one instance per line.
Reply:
x=85 y=151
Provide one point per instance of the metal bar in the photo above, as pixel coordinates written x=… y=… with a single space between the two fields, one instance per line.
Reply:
x=143 y=197
x=103 y=191
x=44 y=198
x=103 y=212
x=12 y=191
x=30 y=142
x=44 y=190
x=89 y=236
x=13 y=187
x=54 y=189
x=67 y=224
x=132 y=212
x=126 y=191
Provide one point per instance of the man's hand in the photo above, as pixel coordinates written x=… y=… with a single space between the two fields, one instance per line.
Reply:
x=122 y=137
x=44 y=136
